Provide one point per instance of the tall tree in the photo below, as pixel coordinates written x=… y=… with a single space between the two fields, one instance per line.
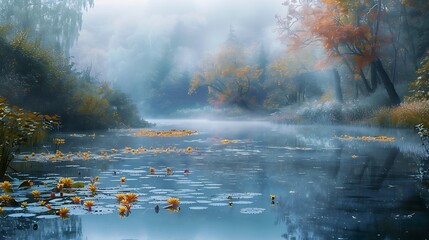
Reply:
x=55 y=23
x=345 y=33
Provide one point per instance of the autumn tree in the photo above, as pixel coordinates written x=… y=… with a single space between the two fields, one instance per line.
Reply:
x=19 y=127
x=228 y=76
x=289 y=78
x=347 y=34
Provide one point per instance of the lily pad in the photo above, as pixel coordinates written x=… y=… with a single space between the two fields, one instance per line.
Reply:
x=18 y=215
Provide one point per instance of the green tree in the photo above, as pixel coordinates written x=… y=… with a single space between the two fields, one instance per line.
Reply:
x=419 y=89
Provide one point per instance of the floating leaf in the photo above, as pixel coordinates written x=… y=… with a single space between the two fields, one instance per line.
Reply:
x=78 y=185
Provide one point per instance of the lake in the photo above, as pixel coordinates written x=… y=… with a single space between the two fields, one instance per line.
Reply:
x=326 y=185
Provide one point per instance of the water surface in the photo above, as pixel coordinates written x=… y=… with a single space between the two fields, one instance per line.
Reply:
x=325 y=187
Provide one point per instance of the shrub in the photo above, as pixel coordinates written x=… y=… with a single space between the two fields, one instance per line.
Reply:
x=407 y=115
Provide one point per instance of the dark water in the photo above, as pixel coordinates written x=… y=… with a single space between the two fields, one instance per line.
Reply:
x=325 y=187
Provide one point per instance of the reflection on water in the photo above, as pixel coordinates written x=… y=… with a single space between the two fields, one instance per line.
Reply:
x=325 y=187
x=27 y=228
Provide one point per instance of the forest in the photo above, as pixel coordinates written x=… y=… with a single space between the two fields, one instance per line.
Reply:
x=291 y=119
x=338 y=62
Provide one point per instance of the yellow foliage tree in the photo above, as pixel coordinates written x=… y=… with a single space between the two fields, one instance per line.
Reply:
x=228 y=77
x=18 y=127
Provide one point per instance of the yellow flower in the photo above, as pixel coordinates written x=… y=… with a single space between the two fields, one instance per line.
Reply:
x=6 y=199
x=122 y=210
x=114 y=150
x=60 y=186
x=173 y=201
x=272 y=196
x=6 y=186
x=120 y=196
x=67 y=182
x=63 y=211
x=168 y=169
x=152 y=170
x=24 y=204
x=125 y=202
x=122 y=179
x=36 y=193
x=1 y=210
x=76 y=200
x=42 y=203
x=131 y=197
x=92 y=187
x=89 y=204
x=48 y=206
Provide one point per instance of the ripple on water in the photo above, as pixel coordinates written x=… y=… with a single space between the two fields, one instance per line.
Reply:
x=198 y=208
x=252 y=210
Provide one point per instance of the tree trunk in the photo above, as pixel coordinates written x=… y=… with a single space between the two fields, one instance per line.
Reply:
x=337 y=86
x=373 y=77
x=388 y=85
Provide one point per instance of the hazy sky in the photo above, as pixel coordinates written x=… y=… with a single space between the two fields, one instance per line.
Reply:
x=115 y=31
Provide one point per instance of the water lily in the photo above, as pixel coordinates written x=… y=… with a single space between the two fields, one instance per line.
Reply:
x=168 y=169
x=1 y=210
x=125 y=202
x=122 y=209
x=48 y=206
x=67 y=182
x=89 y=204
x=63 y=212
x=152 y=170
x=131 y=197
x=272 y=196
x=60 y=186
x=92 y=187
x=42 y=203
x=75 y=200
x=7 y=187
x=35 y=193
x=174 y=202
x=123 y=179
x=6 y=199
x=24 y=204
x=120 y=196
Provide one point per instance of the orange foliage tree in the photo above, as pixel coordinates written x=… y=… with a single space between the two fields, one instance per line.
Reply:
x=347 y=30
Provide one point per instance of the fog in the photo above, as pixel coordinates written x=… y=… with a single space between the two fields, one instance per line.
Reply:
x=125 y=41
x=283 y=60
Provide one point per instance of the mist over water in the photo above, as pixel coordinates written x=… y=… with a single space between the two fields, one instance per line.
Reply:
x=192 y=119
x=324 y=186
